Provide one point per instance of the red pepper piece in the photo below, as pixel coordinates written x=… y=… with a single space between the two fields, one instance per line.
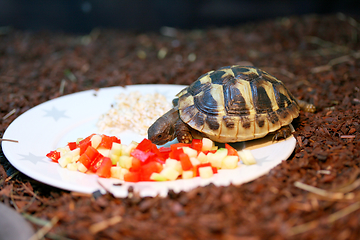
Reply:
x=85 y=143
x=145 y=145
x=141 y=155
x=87 y=139
x=85 y=160
x=72 y=145
x=148 y=169
x=83 y=146
x=197 y=144
x=91 y=152
x=89 y=156
x=157 y=159
x=179 y=145
x=185 y=162
x=135 y=165
x=175 y=153
x=54 y=156
x=132 y=177
x=209 y=151
x=231 y=151
x=164 y=152
x=107 y=141
x=96 y=163
x=115 y=139
x=155 y=150
x=104 y=168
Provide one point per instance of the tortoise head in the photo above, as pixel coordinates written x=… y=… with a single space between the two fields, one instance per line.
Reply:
x=163 y=129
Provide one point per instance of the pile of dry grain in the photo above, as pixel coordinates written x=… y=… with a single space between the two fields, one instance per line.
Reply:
x=133 y=111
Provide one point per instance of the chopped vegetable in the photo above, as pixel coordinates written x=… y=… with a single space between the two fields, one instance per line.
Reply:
x=148 y=169
x=229 y=162
x=135 y=165
x=185 y=162
x=170 y=173
x=175 y=153
x=132 y=177
x=206 y=172
x=246 y=157
x=202 y=165
x=207 y=144
x=83 y=144
x=53 y=155
x=145 y=145
x=197 y=144
x=107 y=157
x=107 y=142
x=96 y=140
x=216 y=158
x=104 y=169
x=72 y=145
x=164 y=152
x=141 y=155
x=231 y=151
x=187 y=174
x=88 y=156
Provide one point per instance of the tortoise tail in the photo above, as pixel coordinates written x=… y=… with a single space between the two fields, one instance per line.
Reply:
x=306 y=107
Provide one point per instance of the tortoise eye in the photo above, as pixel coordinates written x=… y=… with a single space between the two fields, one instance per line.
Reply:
x=159 y=136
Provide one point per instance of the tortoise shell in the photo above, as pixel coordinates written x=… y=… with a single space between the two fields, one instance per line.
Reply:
x=237 y=103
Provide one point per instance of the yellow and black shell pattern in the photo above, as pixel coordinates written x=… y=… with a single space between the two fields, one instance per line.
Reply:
x=237 y=103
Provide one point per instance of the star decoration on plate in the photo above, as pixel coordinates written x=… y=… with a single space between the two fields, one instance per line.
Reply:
x=32 y=158
x=55 y=113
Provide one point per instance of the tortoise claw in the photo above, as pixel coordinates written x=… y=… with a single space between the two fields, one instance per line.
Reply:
x=186 y=138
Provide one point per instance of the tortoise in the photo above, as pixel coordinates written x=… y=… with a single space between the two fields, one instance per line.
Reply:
x=232 y=104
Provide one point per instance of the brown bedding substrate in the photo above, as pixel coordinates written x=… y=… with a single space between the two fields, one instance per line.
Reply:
x=317 y=57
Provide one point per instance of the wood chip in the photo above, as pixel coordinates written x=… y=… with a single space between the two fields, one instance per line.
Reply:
x=332 y=218
x=347 y=136
x=9 y=114
x=8 y=140
x=100 y=226
x=319 y=191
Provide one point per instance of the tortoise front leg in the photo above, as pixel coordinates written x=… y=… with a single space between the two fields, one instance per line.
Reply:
x=183 y=132
x=284 y=132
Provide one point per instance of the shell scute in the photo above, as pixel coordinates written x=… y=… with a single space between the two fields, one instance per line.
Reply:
x=209 y=101
x=198 y=87
x=212 y=122
x=230 y=121
x=198 y=121
x=246 y=73
x=217 y=77
x=269 y=78
x=189 y=113
x=239 y=71
x=235 y=102
x=262 y=101
x=262 y=126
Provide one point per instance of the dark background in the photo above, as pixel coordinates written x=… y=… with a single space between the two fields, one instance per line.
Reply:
x=84 y=15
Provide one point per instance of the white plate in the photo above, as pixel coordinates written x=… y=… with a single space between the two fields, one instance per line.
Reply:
x=55 y=123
